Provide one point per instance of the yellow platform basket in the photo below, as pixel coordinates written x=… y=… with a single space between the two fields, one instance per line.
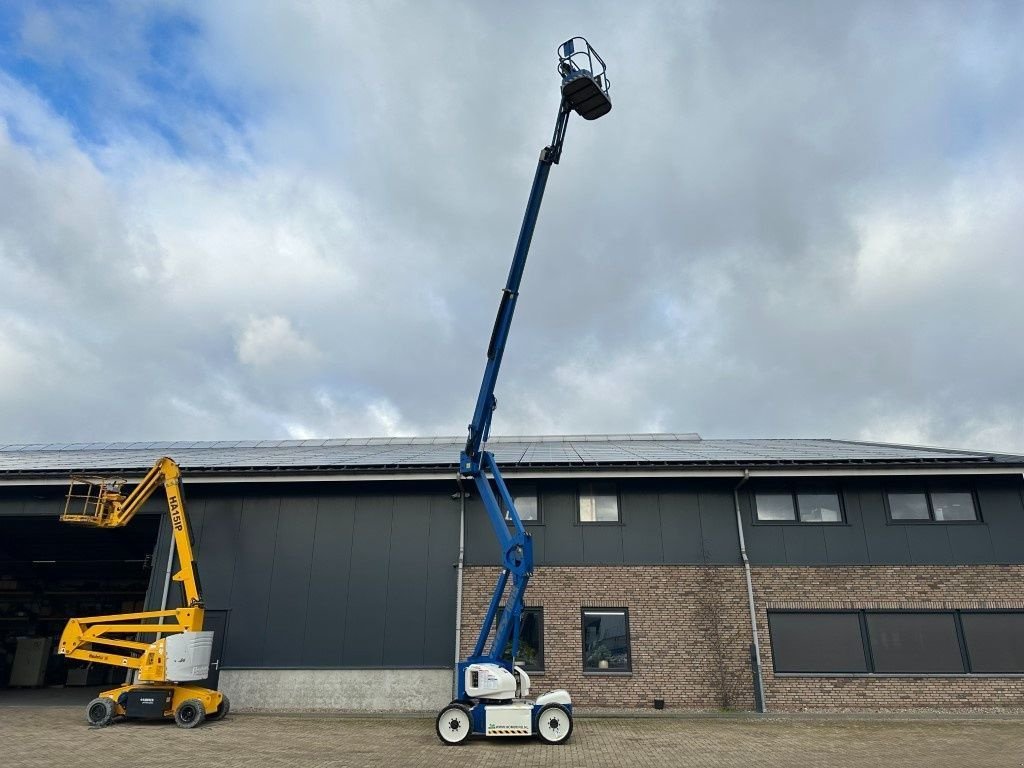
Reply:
x=92 y=500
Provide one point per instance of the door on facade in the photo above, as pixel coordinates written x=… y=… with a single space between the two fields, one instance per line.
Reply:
x=217 y=622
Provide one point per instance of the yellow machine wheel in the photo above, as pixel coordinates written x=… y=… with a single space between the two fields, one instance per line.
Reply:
x=190 y=714
x=100 y=712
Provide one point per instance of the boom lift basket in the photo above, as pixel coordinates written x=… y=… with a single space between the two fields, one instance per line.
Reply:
x=584 y=79
x=91 y=500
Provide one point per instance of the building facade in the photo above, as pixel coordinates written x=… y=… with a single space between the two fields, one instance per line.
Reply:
x=670 y=571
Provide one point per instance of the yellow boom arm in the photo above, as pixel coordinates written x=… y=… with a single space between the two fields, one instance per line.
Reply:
x=98 y=502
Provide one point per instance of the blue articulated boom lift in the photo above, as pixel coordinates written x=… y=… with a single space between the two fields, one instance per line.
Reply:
x=492 y=693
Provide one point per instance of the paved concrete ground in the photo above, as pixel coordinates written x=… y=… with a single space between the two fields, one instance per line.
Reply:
x=57 y=736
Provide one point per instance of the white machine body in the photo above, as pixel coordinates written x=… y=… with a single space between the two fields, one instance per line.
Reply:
x=493 y=681
x=508 y=719
x=188 y=656
x=557 y=696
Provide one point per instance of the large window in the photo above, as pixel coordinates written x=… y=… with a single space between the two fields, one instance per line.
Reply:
x=931 y=506
x=995 y=641
x=898 y=643
x=525 y=498
x=914 y=643
x=817 y=642
x=599 y=503
x=531 y=640
x=802 y=507
x=606 y=640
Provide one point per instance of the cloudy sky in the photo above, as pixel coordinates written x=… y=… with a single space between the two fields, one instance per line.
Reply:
x=256 y=220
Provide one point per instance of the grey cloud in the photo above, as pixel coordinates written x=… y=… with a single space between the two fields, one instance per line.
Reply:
x=709 y=257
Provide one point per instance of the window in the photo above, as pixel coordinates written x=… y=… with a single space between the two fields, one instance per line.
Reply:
x=531 y=640
x=606 y=640
x=914 y=642
x=953 y=506
x=995 y=641
x=898 y=643
x=816 y=507
x=775 y=506
x=817 y=642
x=819 y=508
x=599 y=503
x=939 y=506
x=525 y=499
x=908 y=506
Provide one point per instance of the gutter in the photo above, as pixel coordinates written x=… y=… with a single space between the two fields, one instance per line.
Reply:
x=755 y=652
x=198 y=476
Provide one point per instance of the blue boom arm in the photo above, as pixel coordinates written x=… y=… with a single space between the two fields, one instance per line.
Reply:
x=584 y=90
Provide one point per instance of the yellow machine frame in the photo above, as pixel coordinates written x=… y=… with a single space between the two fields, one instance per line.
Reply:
x=98 y=502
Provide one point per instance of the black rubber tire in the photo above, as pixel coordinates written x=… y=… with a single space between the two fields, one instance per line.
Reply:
x=190 y=714
x=447 y=719
x=222 y=710
x=100 y=712
x=540 y=717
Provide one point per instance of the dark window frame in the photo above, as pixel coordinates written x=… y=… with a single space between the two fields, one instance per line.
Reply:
x=795 y=493
x=927 y=492
x=539 y=609
x=540 y=507
x=618 y=504
x=862 y=613
x=817 y=612
x=583 y=641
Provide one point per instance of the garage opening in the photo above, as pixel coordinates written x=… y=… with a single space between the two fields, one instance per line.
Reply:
x=52 y=571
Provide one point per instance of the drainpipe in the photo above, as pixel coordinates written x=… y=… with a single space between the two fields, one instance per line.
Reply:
x=458 y=582
x=762 y=705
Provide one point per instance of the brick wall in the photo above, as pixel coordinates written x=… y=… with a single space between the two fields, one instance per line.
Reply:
x=888 y=587
x=690 y=632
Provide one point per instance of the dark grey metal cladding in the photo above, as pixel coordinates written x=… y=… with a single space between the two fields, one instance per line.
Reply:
x=327 y=576
x=292 y=563
x=868 y=537
x=690 y=521
x=330 y=569
x=250 y=584
x=660 y=522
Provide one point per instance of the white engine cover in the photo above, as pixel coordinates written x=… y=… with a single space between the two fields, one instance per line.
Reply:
x=489 y=681
x=188 y=656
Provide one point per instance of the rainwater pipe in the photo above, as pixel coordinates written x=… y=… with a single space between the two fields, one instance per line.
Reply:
x=458 y=580
x=762 y=705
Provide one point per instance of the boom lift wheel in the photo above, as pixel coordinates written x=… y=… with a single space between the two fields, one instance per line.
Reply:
x=100 y=712
x=189 y=713
x=554 y=724
x=454 y=725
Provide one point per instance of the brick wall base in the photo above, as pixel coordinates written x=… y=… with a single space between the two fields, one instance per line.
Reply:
x=690 y=633
x=888 y=587
x=689 y=628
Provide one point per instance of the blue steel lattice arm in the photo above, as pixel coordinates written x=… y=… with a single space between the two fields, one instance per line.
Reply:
x=585 y=91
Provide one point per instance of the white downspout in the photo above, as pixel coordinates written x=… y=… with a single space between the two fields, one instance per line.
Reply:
x=458 y=584
x=758 y=679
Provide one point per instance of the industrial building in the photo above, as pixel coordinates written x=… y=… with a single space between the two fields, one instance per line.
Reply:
x=353 y=573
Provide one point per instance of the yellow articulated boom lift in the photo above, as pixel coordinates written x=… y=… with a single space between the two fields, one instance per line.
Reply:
x=165 y=667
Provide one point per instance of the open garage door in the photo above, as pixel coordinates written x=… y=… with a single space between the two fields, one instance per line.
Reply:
x=50 y=572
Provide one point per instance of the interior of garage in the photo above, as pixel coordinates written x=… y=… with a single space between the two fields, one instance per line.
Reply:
x=52 y=571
